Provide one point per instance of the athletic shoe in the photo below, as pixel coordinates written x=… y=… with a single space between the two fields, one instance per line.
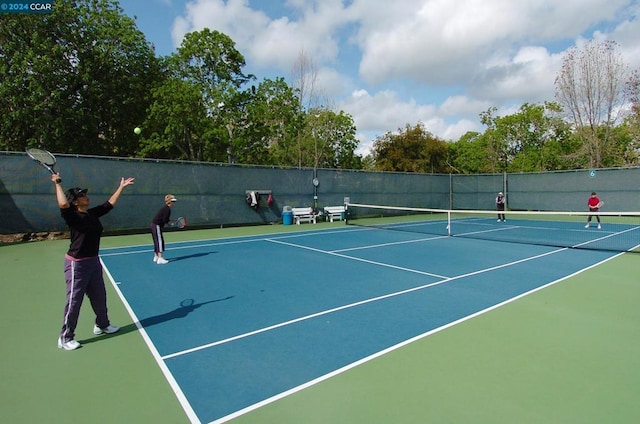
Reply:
x=155 y=259
x=599 y=227
x=586 y=226
x=108 y=330
x=68 y=345
x=499 y=220
x=162 y=261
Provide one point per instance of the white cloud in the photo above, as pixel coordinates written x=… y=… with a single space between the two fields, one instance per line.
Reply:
x=446 y=40
x=462 y=105
x=440 y=62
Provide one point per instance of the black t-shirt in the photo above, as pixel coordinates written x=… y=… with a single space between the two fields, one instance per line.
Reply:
x=86 y=230
x=163 y=216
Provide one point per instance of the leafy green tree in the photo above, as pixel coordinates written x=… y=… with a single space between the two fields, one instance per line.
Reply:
x=626 y=145
x=177 y=124
x=631 y=125
x=468 y=154
x=496 y=144
x=412 y=150
x=75 y=81
x=368 y=163
x=274 y=120
x=533 y=139
x=209 y=69
x=330 y=140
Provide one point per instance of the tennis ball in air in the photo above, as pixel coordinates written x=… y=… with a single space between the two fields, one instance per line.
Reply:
x=137 y=130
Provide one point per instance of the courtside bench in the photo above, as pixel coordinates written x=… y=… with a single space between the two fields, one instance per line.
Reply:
x=303 y=215
x=334 y=212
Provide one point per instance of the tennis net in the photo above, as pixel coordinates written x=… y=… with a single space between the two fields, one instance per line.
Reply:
x=617 y=231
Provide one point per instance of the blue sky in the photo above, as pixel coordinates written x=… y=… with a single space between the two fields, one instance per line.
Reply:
x=392 y=63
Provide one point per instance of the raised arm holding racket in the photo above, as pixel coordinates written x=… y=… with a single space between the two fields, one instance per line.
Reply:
x=82 y=267
x=45 y=159
x=594 y=204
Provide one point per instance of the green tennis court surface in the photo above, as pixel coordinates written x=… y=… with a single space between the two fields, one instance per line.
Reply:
x=552 y=356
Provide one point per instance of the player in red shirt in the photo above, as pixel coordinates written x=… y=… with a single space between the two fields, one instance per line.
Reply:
x=594 y=204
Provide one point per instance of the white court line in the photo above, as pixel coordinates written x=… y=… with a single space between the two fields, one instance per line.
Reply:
x=227 y=241
x=352 y=305
x=334 y=253
x=188 y=409
x=392 y=348
x=180 y=395
x=195 y=246
x=374 y=246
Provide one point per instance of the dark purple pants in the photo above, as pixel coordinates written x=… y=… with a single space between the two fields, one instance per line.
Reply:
x=83 y=277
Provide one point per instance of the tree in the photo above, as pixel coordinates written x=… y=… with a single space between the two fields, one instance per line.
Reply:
x=177 y=123
x=533 y=139
x=332 y=140
x=305 y=81
x=496 y=144
x=75 y=81
x=632 y=122
x=468 y=154
x=590 y=87
x=274 y=120
x=209 y=68
x=412 y=150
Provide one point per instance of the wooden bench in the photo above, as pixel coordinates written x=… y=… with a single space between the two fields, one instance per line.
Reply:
x=334 y=212
x=303 y=215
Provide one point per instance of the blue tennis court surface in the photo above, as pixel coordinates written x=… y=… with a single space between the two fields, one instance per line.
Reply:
x=273 y=314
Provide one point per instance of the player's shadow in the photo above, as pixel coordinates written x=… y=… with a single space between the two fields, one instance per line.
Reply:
x=179 y=312
x=195 y=255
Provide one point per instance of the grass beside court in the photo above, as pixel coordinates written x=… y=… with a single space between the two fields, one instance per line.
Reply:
x=567 y=354
x=111 y=379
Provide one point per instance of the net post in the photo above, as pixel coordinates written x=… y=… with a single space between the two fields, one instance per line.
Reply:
x=448 y=222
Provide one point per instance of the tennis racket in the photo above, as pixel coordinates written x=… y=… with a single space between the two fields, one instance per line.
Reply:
x=44 y=158
x=599 y=205
x=178 y=223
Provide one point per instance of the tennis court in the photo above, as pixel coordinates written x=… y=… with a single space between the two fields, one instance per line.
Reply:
x=335 y=323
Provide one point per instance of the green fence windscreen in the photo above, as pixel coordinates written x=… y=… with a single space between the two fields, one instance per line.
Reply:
x=212 y=195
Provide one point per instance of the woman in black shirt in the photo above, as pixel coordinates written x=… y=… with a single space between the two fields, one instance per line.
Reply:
x=82 y=267
x=162 y=218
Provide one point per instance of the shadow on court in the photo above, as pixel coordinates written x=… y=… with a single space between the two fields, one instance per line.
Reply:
x=195 y=255
x=186 y=307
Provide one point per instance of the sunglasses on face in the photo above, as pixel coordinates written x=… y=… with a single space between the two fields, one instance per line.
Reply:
x=81 y=195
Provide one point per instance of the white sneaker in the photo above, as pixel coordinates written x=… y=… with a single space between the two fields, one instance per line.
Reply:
x=155 y=259
x=586 y=226
x=599 y=227
x=499 y=220
x=162 y=261
x=69 y=345
x=108 y=330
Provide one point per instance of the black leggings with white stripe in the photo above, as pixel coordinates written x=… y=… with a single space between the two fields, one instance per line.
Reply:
x=158 y=238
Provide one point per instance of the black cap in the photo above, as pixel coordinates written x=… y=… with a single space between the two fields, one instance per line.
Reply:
x=73 y=193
